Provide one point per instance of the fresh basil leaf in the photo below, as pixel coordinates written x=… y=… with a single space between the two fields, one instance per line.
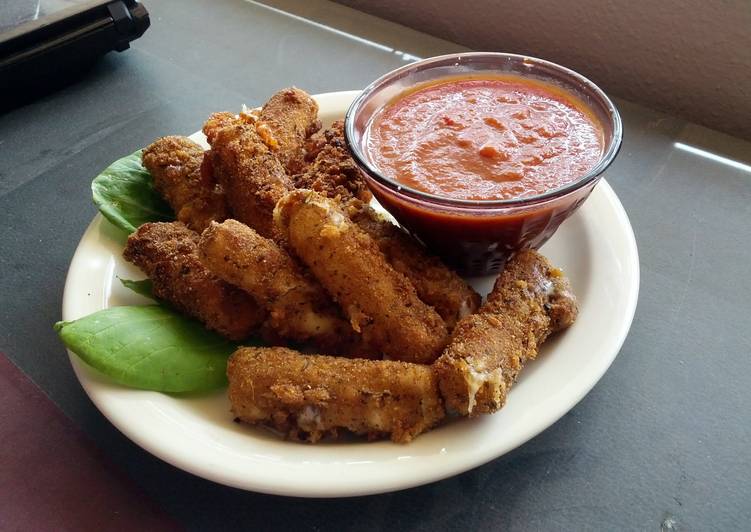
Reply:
x=124 y=193
x=149 y=347
x=143 y=287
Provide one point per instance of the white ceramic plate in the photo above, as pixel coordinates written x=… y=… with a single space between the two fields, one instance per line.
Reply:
x=596 y=249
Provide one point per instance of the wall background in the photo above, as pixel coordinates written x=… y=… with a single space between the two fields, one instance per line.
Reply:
x=688 y=57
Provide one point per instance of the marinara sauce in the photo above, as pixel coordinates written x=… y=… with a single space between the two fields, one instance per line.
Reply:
x=485 y=139
x=492 y=138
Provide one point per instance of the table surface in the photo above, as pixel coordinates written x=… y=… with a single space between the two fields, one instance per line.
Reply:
x=662 y=442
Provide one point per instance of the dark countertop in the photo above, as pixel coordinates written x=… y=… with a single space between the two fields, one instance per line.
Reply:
x=661 y=441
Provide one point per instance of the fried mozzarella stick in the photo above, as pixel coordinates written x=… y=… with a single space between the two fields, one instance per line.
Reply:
x=379 y=301
x=175 y=164
x=311 y=396
x=251 y=175
x=299 y=309
x=168 y=254
x=332 y=172
x=436 y=284
x=284 y=122
x=530 y=300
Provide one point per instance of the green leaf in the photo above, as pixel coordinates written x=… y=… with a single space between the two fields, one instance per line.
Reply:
x=143 y=287
x=124 y=194
x=149 y=347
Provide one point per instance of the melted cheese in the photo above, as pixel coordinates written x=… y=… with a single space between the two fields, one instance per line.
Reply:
x=310 y=419
x=476 y=380
x=465 y=309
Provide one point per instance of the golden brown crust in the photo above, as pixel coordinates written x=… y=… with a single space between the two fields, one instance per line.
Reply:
x=311 y=396
x=299 y=309
x=332 y=171
x=331 y=136
x=218 y=121
x=335 y=175
x=168 y=254
x=251 y=175
x=436 y=284
x=530 y=300
x=175 y=164
x=284 y=122
x=379 y=301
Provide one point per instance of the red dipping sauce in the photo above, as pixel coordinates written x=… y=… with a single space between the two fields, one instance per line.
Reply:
x=482 y=163
x=485 y=139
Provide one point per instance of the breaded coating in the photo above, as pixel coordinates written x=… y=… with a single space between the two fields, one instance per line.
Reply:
x=331 y=136
x=530 y=300
x=436 y=284
x=309 y=397
x=335 y=175
x=168 y=254
x=379 y=301
x=251 y=175
x=332 y=171
x=299 y=309
x=175 y=164
x=218 y=121
x=284 y=122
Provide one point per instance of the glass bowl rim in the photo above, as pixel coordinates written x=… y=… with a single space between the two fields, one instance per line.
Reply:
x=604 y=162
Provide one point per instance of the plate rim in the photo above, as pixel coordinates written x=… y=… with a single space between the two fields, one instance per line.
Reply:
x=363 y=488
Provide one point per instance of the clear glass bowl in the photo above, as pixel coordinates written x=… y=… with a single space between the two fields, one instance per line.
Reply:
x=477 y=236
